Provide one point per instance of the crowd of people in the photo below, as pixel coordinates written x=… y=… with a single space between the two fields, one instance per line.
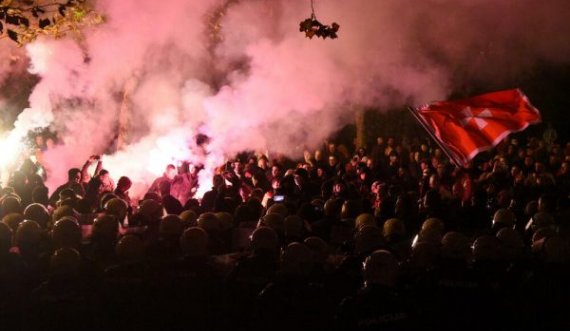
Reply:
x=392 y=237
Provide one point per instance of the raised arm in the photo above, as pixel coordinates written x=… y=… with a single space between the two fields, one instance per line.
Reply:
x=99 y=166
x=85 y=175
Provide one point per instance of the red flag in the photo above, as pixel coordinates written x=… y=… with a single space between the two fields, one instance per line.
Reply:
x=469 y=126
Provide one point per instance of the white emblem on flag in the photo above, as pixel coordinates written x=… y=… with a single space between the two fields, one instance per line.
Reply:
x=468 y=116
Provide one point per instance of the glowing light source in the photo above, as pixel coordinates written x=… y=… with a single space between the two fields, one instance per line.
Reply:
x=11 y=149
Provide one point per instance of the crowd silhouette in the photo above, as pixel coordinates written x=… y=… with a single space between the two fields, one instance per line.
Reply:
x=393 y=237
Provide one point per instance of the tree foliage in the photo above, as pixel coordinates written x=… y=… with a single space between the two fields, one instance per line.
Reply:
x=22 y=21
x=312 y=27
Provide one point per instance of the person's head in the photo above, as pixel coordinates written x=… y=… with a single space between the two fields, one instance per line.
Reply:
x=104 y=176
x=124 y=184
x=511 y=149
x=74 y=175
x=262 y=163
x=546 y=203
x=172 y=205
x=423 y=256
x=61 y=212
x=424 y=166
x=332 y=148
x=515 y=171
x=151 y=210
x=393 y=156
x=521 y=153
x=217 y=181
x=369 y=162
x=193 y=169
x=171 y=227
x=333 y=161
x=394 y=230
x=434 y=181
x=189 y=218
x=455 y=246
x=293 y=227
x=308 y=167
x=367 y=239
x=380 y=268
x=375 y=187
x=265 y=239
x=528 y=161
x=351 y=209
x=553 y=160
x=273 y=220
x=39 y=139
x=67 y=194
x=434 y=161
x=364 y=219
x=339 y=188
x=40 y=195
x=441 y=170
x=37 y=212
x=226 y=220
x=65 y=262
x=318 y=155
x=432 y=199
x=276 y=171
x=297 y=260
x=402 y=172
x=457 y=191
x=28 y=236
x=194 y=242
x=116 y=207
x=170 y=171
x=416 y=156
x=555 y=251
x=28 y=168
x=66 y=233
x=275 y=184
x=300 y=177
x=486 y=248
x=332 y=207
x=538 y=167
x=512 y=244
x=564 y=167
x=504 y=218
x=432 y=231
x=106 y=229
x=10 y=204
x=307 y=156
x=130 y=249
x=210 y=223
x=50 y=143
x=319 y=248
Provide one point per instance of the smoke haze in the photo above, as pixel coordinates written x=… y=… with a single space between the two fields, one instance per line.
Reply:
x=259 y=83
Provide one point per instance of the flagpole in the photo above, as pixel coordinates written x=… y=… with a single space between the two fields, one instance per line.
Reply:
x=440 y=143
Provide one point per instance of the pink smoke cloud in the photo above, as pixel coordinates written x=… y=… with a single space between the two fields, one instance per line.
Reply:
x=264 y=86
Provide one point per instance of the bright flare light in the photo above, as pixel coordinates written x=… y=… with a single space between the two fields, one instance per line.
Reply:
x=11 y=149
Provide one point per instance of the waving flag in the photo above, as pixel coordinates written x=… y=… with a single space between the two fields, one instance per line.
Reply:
x=466 y=127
